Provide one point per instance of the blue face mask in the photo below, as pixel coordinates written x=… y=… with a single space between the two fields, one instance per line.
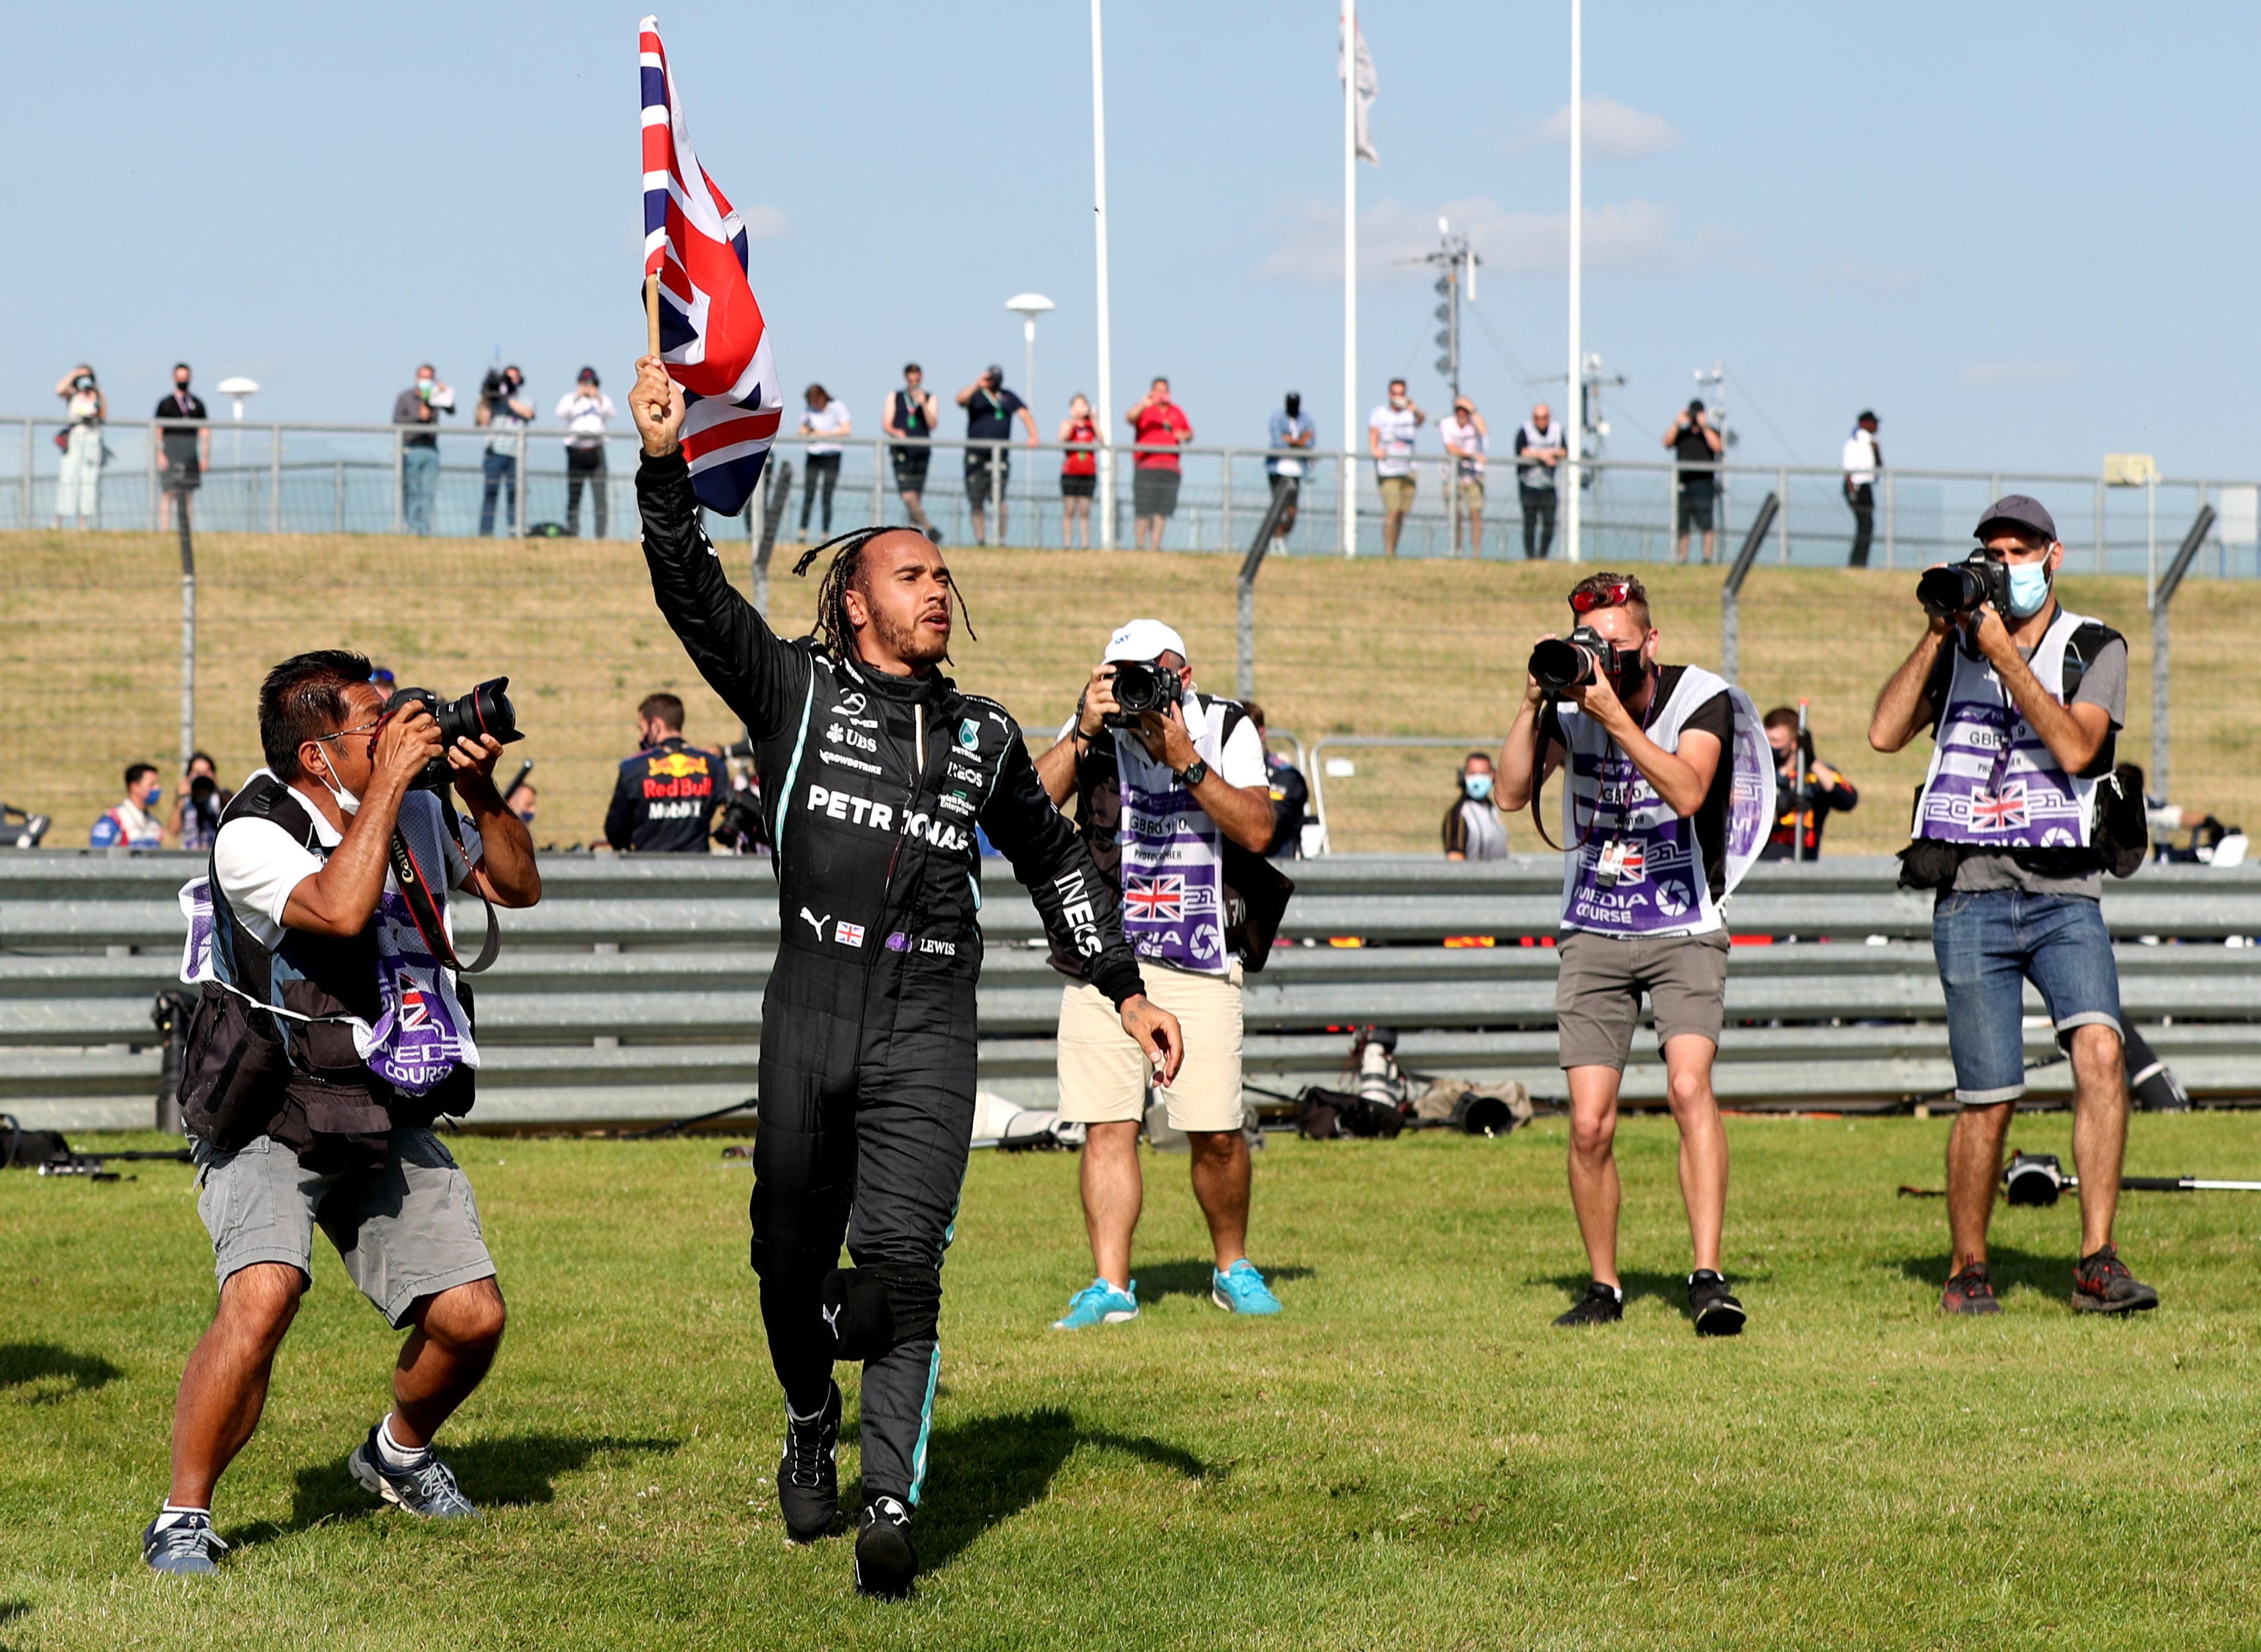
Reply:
x=2029 y=588
x=1477 y=786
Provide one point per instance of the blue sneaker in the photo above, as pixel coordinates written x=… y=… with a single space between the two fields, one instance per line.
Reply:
x=1099 y=1303
x=189 y=1548
x=1240 y=1289
x=426 y=1488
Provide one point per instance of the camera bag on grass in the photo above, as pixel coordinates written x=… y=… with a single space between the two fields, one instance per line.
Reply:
x=287 y=1052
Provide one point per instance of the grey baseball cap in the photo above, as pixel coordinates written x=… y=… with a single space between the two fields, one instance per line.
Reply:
x=2018 y=511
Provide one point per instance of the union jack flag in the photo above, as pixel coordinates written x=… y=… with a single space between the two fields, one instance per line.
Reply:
x=2003 y=811
x=1155 y=900
x=711 y=334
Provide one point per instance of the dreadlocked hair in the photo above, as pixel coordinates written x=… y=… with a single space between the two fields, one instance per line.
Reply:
x=833 y=627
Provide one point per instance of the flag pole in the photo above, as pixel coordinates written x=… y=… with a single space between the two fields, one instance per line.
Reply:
x=1577 y=392
x=1346 y=483
x=1106 y=420
x=651 y=313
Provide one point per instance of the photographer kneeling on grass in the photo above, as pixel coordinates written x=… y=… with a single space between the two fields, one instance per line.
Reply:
x=1663 y=810
x=2023 y=699
x=331 y=1034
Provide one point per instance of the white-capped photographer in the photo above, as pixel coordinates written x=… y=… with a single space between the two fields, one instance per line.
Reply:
x=1173 y=797
x=1663 y=810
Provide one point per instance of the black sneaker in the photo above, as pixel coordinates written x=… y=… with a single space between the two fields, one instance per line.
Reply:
x=1718 y=1313
x=189 y=1548
x=1970 y=1291
x=885 y=1562
x=809 y=1475
x=2102 y=1284
x=1601 y=1306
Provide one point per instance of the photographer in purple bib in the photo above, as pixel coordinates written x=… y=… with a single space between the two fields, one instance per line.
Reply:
x=1662 y=812
x=2013 y=829
x=1173 y=797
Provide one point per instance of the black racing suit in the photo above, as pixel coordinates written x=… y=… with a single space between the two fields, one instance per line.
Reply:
x=665 y=798
x=874 y=786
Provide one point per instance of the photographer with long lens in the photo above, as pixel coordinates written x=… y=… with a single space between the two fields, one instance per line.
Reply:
x=2023 y=698
x=1172 y=794
x=1662 y=812
x=878 y=772
x=332 y=1031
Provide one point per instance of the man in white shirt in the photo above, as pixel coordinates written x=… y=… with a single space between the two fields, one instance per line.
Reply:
x=1468 y=440
x=585 y=412
x=1389 y=432
x=1863 y=460
x=329 y=1037
x=132 y=823
x=824 y=414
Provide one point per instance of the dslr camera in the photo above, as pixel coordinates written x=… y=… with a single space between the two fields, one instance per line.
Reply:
x=1562 y=664
x=1142 y=687
x=485 y=710
x=1960 y=587
x=494 y=386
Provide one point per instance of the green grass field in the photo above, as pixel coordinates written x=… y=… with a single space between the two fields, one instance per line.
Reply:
x=90 y=649
x=1409 y=1459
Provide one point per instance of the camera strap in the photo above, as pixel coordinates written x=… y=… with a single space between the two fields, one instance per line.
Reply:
x=416 y=888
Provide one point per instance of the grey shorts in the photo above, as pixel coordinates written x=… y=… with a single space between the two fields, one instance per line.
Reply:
x=406 y=1232
x=1598 y=992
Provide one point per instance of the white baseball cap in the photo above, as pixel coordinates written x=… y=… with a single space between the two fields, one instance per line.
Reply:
x=1145 y=640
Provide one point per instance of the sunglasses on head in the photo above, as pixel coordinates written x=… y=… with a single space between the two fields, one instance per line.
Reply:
x=1608 y=597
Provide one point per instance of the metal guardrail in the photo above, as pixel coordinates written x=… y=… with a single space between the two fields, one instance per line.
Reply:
x=633 y=991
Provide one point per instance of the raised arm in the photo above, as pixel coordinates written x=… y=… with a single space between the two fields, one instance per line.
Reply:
x=759 y=677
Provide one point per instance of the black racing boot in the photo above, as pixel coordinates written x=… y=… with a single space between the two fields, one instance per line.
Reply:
x=885 y=1562
x=808 y=1476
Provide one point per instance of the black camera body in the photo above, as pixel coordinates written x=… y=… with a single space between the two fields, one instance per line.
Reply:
x=495 y=386
x=485 y=710
x=1961 y=587
x=1562 y=663
x=1142 y=687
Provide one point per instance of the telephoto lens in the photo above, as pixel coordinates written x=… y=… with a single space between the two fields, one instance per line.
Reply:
x=1141 y=686
x=1961 y=586
x=1559 y=666
x=486 y=709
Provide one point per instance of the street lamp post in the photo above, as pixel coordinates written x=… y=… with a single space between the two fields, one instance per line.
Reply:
x=236 y=390
x=1029 y=306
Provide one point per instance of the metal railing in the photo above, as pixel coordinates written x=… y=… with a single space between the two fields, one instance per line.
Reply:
x=633 y=991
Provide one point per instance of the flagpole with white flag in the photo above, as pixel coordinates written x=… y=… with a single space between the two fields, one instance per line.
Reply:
x=1359 y=88
x=1577 y=392
x=1106 y=420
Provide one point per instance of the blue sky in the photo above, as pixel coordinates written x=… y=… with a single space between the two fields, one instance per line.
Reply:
x=2017 y=231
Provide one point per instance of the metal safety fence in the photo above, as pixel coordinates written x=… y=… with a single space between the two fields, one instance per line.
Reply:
x=633 y=991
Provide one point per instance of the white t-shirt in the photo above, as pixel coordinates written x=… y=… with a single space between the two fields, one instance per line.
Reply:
x=585 y=416
x=1465 y=436
x=259 y=864
x=828 y=421
x=1859 y=457
x=1240 y=762
x=1396 y=427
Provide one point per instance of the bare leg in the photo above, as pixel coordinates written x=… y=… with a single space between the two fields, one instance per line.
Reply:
x=1475 y=533
x=1709 y=540
x=1221 y=1178
x=981 y=526
x=915 y=504
x=1594 y=1191
x=1112 y=1190
x=1974 y=1164
x=2100 y=1130
x=224 y=1388
x=1702 y=1142
x=457 y=1335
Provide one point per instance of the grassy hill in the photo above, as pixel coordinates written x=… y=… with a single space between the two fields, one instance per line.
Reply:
x=89 y=638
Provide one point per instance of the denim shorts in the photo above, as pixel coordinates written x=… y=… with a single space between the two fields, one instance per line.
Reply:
x=1989 y=943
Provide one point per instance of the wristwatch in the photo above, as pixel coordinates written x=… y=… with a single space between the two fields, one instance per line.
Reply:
x=1193 y=774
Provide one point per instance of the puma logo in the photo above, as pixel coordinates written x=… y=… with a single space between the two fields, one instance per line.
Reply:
x=832 y=1320
x=815 y=922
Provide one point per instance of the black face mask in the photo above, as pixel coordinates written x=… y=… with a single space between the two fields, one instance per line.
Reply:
x=1631 y=674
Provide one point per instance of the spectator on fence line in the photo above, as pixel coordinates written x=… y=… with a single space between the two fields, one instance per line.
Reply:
x=1177 y=811
x=523 y=802
x=1389 y=432
x=823 y=414
x=1474 y=830
x=1467 y=439
x=587 y=411
x=990 y=410
x=2023 y=704
x=420 y=450
x=197 y=807
x=1291 y=432
x=1827 y=791
x=503 y=409
x=1695 y=440
x=132 y=824
x=1538 y=450
x=913 y=412
x=78 y=487
x=1863 y=460
x=1291 y=792
x=182 y=455
x=1159 y=427
x=1079 y=432
x=667 y=794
